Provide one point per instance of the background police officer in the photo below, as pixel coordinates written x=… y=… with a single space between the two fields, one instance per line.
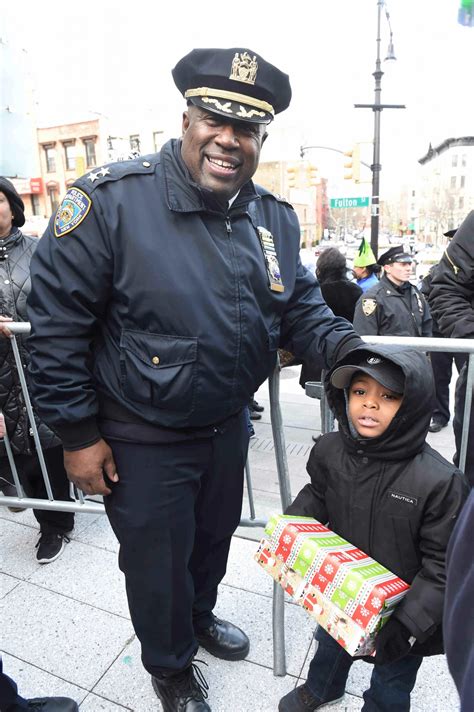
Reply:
x=161 y=292
x=393 y=306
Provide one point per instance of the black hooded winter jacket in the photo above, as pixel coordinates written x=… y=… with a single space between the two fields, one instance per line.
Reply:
x=392 y=496
x=16 y=251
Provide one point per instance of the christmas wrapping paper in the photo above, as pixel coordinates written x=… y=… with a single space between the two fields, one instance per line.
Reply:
x=348 y=593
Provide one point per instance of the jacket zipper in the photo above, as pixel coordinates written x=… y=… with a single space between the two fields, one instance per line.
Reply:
x=228 y=227
x=372 y=508
x=455 y=269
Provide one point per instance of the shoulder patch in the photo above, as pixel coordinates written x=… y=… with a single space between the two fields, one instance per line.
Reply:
x=369 y=306
x=72 y=211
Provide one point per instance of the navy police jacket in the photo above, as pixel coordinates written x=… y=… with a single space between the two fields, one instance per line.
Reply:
x=385 y=310
x=145 y=292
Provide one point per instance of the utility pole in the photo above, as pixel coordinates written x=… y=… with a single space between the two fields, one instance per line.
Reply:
x=377 y=108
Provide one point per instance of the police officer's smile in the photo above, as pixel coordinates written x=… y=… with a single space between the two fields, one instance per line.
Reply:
x=221 y=154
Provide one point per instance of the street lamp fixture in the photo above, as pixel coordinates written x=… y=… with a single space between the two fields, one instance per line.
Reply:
x=377 y=107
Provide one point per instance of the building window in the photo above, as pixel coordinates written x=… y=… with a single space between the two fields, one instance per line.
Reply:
x=135 y=143
x=463 y=181
x=70 y=153
x=50 y=155
x=157 y=140
x=454 y=161
x=453 y=181
x=91 y=160
x=35 y=204
x=53 y=198
x=464 y=160
x=461 y=201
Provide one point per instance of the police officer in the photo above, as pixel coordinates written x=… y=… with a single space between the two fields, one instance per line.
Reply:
x=161 y=292
x=393 y=306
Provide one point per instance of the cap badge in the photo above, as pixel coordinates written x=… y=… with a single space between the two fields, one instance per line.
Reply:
x=244 y=68
x=373 y=360
x=369 y=306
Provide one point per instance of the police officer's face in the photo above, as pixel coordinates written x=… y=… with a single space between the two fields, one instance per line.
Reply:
x=399 y=272
x=221 y=154
x=6 y=216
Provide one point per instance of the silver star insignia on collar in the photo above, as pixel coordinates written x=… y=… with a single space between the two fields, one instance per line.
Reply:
x=93 y=176
x=103 y=172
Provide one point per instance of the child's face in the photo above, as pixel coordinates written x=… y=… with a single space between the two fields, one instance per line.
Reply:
x=371 y=405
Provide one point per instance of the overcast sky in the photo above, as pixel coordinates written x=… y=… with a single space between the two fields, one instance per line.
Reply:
x=115 y=58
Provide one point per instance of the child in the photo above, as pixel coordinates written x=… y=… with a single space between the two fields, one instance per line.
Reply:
x=380 y=486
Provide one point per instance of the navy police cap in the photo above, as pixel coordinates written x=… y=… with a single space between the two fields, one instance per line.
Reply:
x=394 y=254
x=236 y=82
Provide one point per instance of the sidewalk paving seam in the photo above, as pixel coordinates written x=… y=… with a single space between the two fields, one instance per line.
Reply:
x=70 y=598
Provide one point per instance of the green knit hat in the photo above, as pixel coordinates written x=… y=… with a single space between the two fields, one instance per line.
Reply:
x=365 y=255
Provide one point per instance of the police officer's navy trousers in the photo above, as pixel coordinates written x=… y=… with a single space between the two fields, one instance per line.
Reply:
x=9 y=692
x=174 y=511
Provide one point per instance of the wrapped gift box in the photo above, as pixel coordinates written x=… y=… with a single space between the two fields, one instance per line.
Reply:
x=348 y=593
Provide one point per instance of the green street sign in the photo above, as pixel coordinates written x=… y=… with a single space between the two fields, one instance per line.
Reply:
x=350 y=202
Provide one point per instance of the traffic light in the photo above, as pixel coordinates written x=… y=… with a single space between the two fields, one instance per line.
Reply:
x=353 y=165
x=312 y=175
x=291 y=174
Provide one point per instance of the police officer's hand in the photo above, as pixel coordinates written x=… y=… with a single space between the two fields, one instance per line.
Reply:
x=86 y=467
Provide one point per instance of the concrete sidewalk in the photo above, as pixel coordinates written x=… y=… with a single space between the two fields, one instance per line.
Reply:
x=65 y=627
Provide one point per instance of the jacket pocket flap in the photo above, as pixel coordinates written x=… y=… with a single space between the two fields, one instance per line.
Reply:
x=159 y=350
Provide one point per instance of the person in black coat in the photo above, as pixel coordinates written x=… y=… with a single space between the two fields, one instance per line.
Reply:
x=380 y=486
x=16 y=250
x=451 y=302
x=458 y=623
x=339 y=293
x=442 y=364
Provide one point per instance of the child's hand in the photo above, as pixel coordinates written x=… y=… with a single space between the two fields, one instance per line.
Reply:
x=3 y=429
x=4 y=330
x=392 y=643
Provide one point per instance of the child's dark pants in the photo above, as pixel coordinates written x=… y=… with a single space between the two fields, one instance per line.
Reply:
x=390 y=685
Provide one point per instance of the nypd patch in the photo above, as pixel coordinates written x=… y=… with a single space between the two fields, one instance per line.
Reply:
x=369 y=306
x=71 y=212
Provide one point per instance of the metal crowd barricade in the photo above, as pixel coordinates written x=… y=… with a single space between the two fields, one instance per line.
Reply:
x=83 y=504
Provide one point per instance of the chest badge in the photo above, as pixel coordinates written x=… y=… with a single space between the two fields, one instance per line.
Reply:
x=271 y=260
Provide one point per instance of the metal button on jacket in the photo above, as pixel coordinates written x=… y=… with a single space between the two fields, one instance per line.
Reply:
x=156 y=360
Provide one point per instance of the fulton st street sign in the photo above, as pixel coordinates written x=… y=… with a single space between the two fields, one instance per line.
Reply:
x=350 y=202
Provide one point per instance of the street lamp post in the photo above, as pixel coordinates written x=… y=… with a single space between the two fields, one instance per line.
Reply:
x=377 y=108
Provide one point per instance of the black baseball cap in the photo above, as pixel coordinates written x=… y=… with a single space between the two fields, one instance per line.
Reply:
x=236 y=82
x=385 y=372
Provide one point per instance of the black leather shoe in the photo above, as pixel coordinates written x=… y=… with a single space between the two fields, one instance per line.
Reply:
x=436 y=426
x=224 y=640
x=254 y=415
x=186 y=691
x=256 y=406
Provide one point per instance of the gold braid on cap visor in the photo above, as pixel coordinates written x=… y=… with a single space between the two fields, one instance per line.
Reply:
x=232 y=96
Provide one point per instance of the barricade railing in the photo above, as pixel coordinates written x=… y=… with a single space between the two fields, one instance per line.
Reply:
x=82 y=503
x=427 y=344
